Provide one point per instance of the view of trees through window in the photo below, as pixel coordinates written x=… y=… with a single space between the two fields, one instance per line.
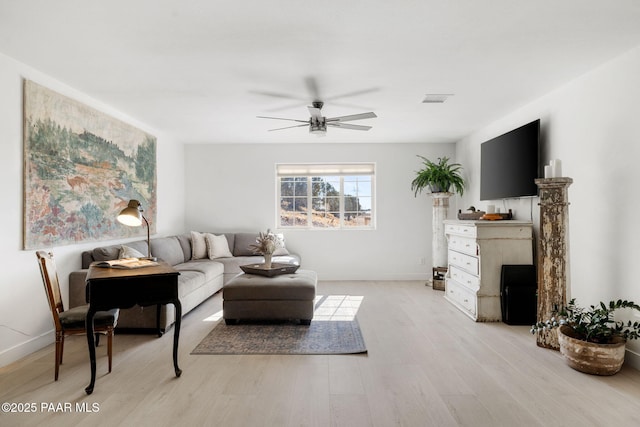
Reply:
x=326 y=201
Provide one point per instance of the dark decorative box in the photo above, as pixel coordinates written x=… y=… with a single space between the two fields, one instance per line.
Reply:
x=275 y=270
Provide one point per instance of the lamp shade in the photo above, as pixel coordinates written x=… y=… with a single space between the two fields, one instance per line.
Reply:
x=131 y=215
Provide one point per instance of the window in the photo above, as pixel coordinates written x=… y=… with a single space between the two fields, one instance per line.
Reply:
x=326 y=196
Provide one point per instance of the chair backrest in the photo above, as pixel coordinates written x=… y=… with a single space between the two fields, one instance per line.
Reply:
x=51 y=285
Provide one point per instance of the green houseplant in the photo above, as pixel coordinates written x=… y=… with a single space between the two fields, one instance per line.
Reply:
x=591 y=340
x=438 y=176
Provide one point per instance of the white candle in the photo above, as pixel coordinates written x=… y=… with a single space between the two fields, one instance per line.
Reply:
x=547 y=171
x=556 y=168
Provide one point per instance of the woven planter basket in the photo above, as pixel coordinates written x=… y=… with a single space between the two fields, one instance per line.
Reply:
x=591 y=358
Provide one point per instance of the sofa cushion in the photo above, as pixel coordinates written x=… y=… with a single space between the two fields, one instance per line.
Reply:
x=129 y=252
x=217 y=246
x=198 y=245
x=185 y=244
x=242 y=243
x=167 y=249
x=106 y=253
x=190 y=280
x=282 y=249
x=210 y=269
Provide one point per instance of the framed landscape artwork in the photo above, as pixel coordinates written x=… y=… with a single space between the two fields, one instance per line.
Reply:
x=81 y=167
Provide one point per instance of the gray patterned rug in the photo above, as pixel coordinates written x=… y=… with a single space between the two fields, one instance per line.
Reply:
x=321 y=337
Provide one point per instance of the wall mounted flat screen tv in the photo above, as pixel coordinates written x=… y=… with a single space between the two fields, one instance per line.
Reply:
x=509 y=164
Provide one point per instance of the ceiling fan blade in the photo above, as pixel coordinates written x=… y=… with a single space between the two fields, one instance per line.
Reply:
x=348 y=126
x=289 y=127
x=349 y=105
x=354 y=93
x=361 y=116
x=290 y=106
x=280 y=118
x=277 y=95
x=315 y=113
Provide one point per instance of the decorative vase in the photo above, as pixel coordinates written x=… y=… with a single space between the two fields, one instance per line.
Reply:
x=588 y=357
x=267 y=260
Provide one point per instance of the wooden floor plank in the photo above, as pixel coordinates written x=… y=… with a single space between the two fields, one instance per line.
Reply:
x=427 y=365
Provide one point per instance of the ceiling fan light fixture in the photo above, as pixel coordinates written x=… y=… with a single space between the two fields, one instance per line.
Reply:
x=436 y=98
x=318 y=127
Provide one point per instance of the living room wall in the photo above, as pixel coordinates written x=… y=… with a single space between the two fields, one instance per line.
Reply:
x=232 y=187
x=25 y=319
x=591 y=125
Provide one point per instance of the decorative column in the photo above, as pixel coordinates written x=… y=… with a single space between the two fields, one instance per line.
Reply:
x=552 y=253
x=439 y=242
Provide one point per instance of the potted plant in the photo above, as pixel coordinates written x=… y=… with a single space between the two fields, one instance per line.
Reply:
x=591 y=340
x=438 y=176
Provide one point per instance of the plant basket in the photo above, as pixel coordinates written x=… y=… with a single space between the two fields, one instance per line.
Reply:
x=588 y=357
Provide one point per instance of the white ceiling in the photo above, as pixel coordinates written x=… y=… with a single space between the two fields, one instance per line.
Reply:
x=199 y=70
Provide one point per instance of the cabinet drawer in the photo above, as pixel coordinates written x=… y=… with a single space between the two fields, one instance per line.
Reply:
x=463 y=244
x=467 y=279
x=461 y=296
x=461 y=230
x=466 y=262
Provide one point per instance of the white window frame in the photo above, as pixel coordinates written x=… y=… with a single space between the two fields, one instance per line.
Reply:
x=341 y=170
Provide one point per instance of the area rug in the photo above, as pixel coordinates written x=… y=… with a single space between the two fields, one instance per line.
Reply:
x=320 y=337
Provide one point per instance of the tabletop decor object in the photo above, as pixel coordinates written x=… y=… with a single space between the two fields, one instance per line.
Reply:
x=266 y=244
x=132 y=216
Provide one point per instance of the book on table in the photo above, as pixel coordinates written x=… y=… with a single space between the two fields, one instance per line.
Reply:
x=126 y=263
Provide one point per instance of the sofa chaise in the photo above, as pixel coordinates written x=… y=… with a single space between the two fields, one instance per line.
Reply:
x=202 y=273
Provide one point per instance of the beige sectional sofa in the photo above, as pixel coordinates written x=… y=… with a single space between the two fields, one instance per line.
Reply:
x=200 y=276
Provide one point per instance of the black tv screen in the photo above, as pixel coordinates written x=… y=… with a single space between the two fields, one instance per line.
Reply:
x=509 y=164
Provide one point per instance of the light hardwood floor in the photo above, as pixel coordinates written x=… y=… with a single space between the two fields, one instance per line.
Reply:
x=428 y=365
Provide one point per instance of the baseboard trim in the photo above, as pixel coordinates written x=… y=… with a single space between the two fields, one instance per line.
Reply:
x=26 y=348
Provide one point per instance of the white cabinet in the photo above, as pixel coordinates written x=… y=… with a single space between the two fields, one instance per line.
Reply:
x=476 y=252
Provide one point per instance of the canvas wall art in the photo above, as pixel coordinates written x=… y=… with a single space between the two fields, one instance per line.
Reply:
x=81 y=167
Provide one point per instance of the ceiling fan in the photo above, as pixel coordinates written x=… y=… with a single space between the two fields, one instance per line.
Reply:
x=318 y=123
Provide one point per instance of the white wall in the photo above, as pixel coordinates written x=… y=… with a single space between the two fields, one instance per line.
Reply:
x=25 y=319
x=238 y=193
x=590 y=124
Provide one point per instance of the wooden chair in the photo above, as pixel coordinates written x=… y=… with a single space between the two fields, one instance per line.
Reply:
x=73 y=321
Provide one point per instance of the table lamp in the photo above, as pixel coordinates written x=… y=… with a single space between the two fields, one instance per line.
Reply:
x=132 y=216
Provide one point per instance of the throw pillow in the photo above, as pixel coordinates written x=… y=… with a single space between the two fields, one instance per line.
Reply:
x=242 y=243
x=127 y=252
x=217 y=246
x=281 y=250
x=198 y=245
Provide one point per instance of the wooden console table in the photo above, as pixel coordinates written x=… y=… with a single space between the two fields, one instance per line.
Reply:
x=109 y=288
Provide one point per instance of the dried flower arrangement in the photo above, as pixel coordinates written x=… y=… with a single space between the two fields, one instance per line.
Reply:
x=266 y=243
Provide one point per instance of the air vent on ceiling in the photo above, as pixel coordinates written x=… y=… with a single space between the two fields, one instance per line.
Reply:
x=436 y=98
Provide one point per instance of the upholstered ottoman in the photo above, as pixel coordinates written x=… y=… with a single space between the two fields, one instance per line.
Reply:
x=284 y=297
